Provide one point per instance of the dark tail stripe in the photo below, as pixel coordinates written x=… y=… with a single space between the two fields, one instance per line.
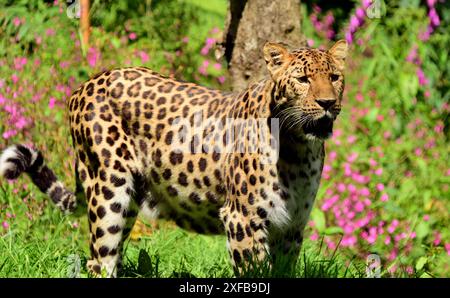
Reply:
x=43 y=179
x=37 y=163
x=15 y=172
x=20 y=159
x=26 y=154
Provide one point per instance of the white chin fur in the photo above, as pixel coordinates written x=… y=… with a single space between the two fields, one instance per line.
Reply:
x=311 y=137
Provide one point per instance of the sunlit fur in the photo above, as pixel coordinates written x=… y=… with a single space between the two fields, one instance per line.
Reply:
x=309 y=75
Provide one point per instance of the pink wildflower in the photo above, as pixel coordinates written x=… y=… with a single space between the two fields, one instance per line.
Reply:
x=9 y=133
x=348 y=240
x=365 y=192
x=210 y=41
x=447 y=248
x=221 y=79
x=341 y=187
x=14 y=78
x=332 y=155
x=359 y=207
x=393 y=226
x=387 y=240
x=202 y=70
x=437 y=238
x=144 y=56
x=379 y=171
x=93 y=56
x=384 y=197
x=16 y=22
x=132 y=36
x=351 y=139
x=421 y=76
x=359 y=97
x=366 y=3
x=204 y=51
x=50 y=32
x=51 y=102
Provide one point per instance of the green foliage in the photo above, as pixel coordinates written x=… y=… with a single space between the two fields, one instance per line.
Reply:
x=393 y=129
x=399 y=122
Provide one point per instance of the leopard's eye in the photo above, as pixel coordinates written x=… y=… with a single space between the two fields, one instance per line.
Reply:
x=303 y=79
x=334 y=77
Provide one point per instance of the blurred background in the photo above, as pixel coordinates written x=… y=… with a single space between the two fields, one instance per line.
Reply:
x=385 y=185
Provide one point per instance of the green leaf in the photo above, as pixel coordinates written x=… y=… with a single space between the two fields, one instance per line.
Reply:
x=22 y=31
x=319 y=219
x=422 y=165
x=115 y=42
x=371 y=117
x=144 y=262
x=369 y=70
x=422 y=230
x=333 y=231
x=388 y=53
x=425 y=275
x=421 y=262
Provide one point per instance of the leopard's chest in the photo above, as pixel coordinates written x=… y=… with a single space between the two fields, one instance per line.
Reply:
x=300 y=169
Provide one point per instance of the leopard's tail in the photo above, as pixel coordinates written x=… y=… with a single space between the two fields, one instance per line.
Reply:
x=17 y=159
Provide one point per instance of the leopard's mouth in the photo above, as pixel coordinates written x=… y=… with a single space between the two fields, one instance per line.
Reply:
x=321 y=128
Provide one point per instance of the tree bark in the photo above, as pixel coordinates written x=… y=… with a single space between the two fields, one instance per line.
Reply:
x=250 y=23
x=84 y=23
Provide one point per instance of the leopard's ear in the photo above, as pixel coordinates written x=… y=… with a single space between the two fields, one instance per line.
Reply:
x=276 y=56
x=339 y=52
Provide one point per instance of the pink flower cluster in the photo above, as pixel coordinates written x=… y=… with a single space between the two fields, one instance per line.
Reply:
x=206 y=50
x=93 y=56
x=17 y=93
x=355 y=202
x=132 y=36
x=434 y=21
x=323 y=25
x=203 y=68
x=413 y=57
x=143 y=56
x=357 y=20
x=350 y=202
x=19 y=63
x=15 y=117
x=8 y=219
x=209 y=43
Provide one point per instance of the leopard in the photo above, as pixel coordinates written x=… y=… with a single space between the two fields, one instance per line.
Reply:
x=245 y=164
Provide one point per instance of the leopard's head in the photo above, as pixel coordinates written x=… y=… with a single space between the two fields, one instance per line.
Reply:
x=309 y=84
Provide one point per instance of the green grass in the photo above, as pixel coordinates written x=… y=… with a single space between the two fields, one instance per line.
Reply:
x=166 y=253
x=46 y=245
x=397 y=129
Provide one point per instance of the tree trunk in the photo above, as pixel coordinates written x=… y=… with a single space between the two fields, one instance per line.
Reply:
x=250 y=23
x=84 y=23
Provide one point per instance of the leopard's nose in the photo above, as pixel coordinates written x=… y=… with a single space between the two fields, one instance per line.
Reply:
x=326 y=104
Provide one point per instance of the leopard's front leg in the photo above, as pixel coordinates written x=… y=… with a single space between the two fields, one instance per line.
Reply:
x=247 y=237
x=255 y=206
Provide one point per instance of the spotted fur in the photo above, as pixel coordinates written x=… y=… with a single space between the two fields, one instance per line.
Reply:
x=136 y=151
